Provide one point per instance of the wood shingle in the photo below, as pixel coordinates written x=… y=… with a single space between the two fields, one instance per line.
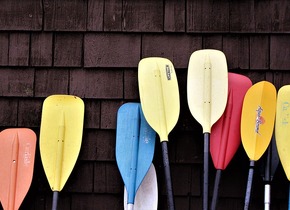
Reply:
x=113 y=15
x=280 y=52
x=178 y=51
x=8 y=112
x=68 y=50
x=259 y=52
x=142 y=17
x=88 y=83
x=174 y=16
x=236 y=49
x=64 y=15
x=4 y=43
x=41 y=49
x=17 y=82
x=208 y=16
x=95 y=20
x=19 y=49
x=16 y=15
x=51 y=81
x=111 y=50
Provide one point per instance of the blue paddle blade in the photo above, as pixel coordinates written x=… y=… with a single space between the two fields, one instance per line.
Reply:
x=135 y=144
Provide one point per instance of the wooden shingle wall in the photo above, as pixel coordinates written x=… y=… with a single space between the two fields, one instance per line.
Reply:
x=91 y=48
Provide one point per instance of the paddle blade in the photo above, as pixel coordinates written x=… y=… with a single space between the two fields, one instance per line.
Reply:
x=207 y=86
x=147 y=194
x=60 y=137
x=159 y=94
x=17 y=153
x=135 y=144
x=282 y=128
x=258 y=117
x=225 y=134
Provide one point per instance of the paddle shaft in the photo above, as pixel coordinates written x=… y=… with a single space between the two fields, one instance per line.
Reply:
x=54 y=200
x=289 y=198
x=267 y=179
x=170 y=199
x=249 y=185
x=216 y=189
x=130 y=206
x=267 y=196
x=133 y=171
x=206 y=126
x=205 y=171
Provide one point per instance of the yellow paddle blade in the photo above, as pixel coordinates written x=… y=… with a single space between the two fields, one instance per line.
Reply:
x=282 y=128
x=258 y=118
x=60 y=137
x=207 y=86
x=159 y=94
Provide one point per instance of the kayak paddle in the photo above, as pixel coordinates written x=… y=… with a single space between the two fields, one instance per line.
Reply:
x=61 y=132
x=207 y=91
x=257 y=124
x=17 y=154
x=225 y=134
x=147 y=195
x=268 y=169
x=135 y=144
x=159 y=96
x=282 y=130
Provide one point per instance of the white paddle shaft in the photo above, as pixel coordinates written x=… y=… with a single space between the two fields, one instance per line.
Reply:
x=267 y=197
x=130 y=206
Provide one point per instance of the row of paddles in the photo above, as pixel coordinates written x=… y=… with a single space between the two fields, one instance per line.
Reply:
x=227 y=106
x=213 y=94
x=60 y=142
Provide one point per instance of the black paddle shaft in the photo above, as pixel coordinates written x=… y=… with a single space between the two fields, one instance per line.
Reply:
x=205 y=171
x=216 y=189
x=54 y=200
x=249 y=185
x=170 y=199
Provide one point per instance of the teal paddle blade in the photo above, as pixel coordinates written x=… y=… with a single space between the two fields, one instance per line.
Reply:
x=135 y=145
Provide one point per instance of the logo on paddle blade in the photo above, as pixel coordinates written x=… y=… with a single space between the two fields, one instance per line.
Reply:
x=168 y=72
x=146 y=139
x=27 y=154
x=259 y=119
x=285 y=114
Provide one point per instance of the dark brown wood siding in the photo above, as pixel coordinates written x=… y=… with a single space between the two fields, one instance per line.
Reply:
x=91 y=48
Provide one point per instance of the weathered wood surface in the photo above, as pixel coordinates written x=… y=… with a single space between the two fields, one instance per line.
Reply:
x=92 y=49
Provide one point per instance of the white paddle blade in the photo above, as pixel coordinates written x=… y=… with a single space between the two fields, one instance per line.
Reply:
x=207 y=86
x=147 y=195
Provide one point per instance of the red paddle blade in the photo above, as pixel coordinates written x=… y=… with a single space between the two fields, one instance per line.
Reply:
x=17 y=151
x=225 y=136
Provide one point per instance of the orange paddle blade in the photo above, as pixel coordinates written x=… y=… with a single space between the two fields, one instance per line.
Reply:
x=17 y=152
